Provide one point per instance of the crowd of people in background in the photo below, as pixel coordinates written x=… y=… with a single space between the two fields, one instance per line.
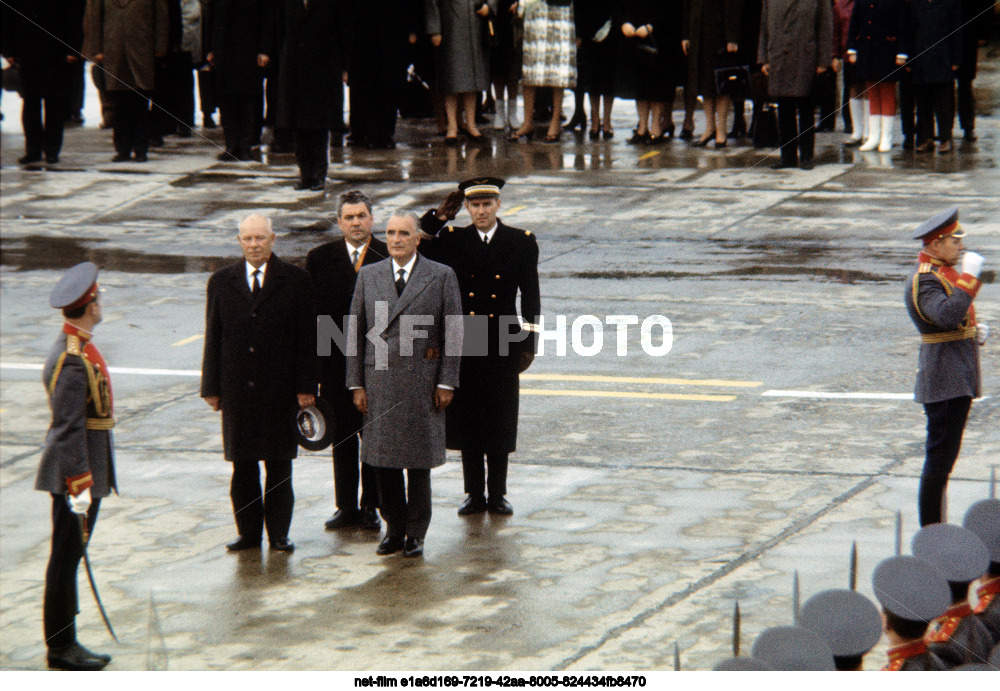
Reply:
x=282 y=65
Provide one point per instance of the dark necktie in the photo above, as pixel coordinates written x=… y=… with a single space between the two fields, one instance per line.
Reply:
x=486 y=239
x=354 y=257
x=400 y=282
x=255 y=288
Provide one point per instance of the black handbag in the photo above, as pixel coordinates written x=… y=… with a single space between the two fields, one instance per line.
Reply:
x=733 y=80
x=765 y=126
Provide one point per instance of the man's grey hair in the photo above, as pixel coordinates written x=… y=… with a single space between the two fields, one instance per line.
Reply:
x=353 y=197
x=266 y=219
x=405 y=213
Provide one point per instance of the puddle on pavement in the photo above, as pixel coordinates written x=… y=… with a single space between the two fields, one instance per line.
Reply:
x=39 y=253
x=792 y=272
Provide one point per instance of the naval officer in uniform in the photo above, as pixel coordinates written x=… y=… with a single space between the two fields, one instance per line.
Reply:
x=77 y=465
x=493 y=262
x=939 y=299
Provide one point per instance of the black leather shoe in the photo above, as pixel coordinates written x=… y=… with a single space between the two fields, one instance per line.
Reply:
x=500 y=507
x=52 y=159
x=140 y=158
x=28 y=159
x=283 y=545
x=390 y=545
x=472 y=505
x=99 y=656
x=318 y=186
x=806 y=164
x=369 y=519
x=343 y=519
x=76 y=658
x=784 y=164
x=302 y=185
x=413 y=547
x=242 y=544
x=121 y=158
x=687 y=135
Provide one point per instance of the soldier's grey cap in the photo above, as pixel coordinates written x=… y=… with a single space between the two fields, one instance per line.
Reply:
x=958 y=554
x=78 y=285
x=787 y=648
x=911 y=588
x=983 y=518
x=742 y=664
x=940 y=225
x=848 y=620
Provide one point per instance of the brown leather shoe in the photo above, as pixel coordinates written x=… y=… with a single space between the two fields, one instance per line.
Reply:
x=944 y=147
x=925 y=146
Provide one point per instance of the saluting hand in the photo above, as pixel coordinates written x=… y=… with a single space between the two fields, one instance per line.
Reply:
x=451 y=205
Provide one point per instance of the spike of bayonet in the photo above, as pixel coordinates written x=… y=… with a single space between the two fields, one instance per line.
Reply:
x=736 y=630
x=993 y=482
x=677 y=657
x=852 y=581
x=795 y=598
x=899 y=533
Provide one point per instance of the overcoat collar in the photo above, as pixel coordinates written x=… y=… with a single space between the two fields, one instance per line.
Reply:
x=276 y=270
x=419 y=279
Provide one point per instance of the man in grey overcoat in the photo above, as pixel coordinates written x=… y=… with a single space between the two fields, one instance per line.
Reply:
x=126 y=37
x=402 y=365
x=795 y=45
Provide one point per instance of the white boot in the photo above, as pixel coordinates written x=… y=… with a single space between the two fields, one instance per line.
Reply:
x=885 y=141
x=500 y=116
x=874 y=133
x=512 y=121
x=857 y=121
x=865 y=110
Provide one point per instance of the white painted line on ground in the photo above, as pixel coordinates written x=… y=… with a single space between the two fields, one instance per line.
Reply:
x=114 y=370
x=851 y=395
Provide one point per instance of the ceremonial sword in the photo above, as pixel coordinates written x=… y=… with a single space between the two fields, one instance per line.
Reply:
x=85 y=538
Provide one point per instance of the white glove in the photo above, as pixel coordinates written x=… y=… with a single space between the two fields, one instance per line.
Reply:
x=972 y=263
x=982 y=333
x=81 y=502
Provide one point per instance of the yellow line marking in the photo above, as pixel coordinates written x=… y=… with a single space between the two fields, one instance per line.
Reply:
x=511 y=212
x=649 y=155
x=185 y=341
x=627 y=394
x=639 y=380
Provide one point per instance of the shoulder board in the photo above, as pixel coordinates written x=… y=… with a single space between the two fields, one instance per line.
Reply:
x=925 y=268
x=451 y=229
x=527 y=232
x=73 y=345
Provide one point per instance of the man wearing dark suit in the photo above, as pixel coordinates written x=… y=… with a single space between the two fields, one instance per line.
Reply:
x=259 y=368
x=403 y=379
x=939 y=301
x=77 y=466
x=493 y=262
x=334 y=268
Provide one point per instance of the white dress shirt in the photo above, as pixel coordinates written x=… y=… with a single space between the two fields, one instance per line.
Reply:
x=260 y=277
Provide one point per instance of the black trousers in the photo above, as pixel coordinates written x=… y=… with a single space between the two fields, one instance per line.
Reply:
x=206 y=93
x=945 y=424
x=47 y=83
x=907 y=105
x=76 y=88
x=311 y=153
x=475 y=477
x=347 y=470
x=373 y=113
x=253 y=510
x=60 y=603
x=174 y=94
x=800 y=135
x=406 y=509
x=935 y=101
x=240 y=123
x=131 y=121
x=966 y=97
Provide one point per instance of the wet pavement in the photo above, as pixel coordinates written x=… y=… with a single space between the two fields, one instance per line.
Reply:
x=650 y=493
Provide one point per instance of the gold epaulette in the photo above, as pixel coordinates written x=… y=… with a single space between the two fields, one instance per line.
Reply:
x=100 y=423
x=527 y=232
x=925 y=268
x=451 y=229
x=73 y=345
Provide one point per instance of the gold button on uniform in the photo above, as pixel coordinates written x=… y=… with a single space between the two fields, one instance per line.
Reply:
x=472 y=295
x=491 y=316
x=497 y=277
x=493 y=296
x=472 y=314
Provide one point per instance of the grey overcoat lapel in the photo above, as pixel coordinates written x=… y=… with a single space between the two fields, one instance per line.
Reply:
x=419 y=279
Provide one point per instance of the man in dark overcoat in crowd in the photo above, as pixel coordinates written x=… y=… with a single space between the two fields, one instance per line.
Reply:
x=312 y=64
x=126 y=40
x=259 y=368
x=77 y=466
x=935 y=56
x=493 y=262
x=239 y=42
x=380 y=34
x=334 y=268
x=43 y=38
x=977 y=17
x=403 y=377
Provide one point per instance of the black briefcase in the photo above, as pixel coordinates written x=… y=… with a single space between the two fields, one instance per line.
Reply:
x=732 y=81
x=765 y=126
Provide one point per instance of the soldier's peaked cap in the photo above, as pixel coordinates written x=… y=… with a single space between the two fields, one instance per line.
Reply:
x=957 y=553
x=848 y=620
x=787 y=648
x=76 y=288
x=481 y=187
x=983 y=518
x=940 y=225
x=911 y=588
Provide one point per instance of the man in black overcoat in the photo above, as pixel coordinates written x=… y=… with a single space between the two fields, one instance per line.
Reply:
x=239 y=42
x=312 y=65
x=493 y=262
x=334 y=268
x=259 y=368
x=43 y=38
x=380 y=35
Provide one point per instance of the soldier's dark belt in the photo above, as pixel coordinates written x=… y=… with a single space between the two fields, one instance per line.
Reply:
x=100 y=423
x=947 y=336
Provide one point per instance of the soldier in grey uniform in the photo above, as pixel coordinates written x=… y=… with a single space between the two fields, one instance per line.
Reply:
x=983 y=518
x=939 y=300
x=849 y=622
x=77 y=465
